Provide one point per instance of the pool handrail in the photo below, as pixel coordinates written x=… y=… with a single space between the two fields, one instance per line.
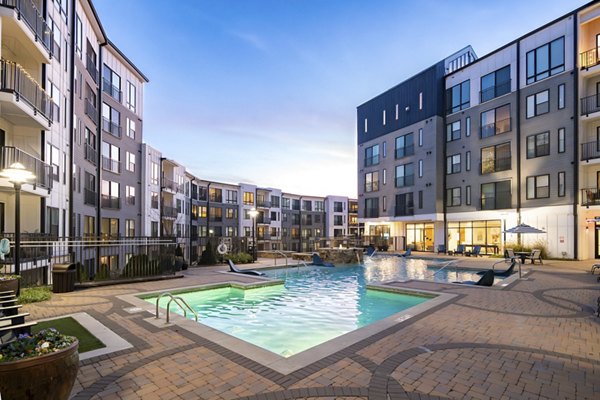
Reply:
x=177 y=300
x=284 y=256
x=447 y=264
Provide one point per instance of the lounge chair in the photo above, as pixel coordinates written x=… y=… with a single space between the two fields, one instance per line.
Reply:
x=406 y=253
x=506 y=273
x=536 y=254
x=509 y=254
x=370 y=250
x=487 y=279
x=476 y=251
x=317 y=260
x=233 y=268
x=441 y=248
x=460 y=249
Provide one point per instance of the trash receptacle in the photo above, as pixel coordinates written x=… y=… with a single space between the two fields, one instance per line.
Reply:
x=63 y=277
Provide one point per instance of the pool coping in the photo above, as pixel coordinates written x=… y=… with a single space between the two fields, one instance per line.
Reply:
x=269 y=359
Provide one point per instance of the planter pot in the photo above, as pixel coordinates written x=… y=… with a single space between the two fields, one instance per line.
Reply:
x=50 y=376
x=11 y=284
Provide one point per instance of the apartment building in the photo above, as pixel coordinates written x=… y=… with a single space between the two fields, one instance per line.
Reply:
x=512 y=137
x=353 y=225
x=336 y=211
x=303 y=222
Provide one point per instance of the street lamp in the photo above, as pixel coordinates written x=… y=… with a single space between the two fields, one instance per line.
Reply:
x=253 y=214
x=17 y=174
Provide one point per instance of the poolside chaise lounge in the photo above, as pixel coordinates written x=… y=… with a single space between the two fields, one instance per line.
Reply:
x=317 y=260
x=486 y=280
x=370 y=250
x=536 y=255
x=460 y=249
x=476 y=251
x=406 y=253
x=233 y=268
x=441 y=248
x=507 y=272
x=509 y=254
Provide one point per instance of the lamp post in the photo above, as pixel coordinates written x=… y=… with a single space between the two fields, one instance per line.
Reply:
x=17 y=174
x=253 y=214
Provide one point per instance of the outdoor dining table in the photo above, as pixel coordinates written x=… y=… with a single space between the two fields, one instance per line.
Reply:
x=523 y=255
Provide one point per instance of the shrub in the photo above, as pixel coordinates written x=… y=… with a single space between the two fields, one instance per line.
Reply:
x=240 y=258
x=35 y=294
x=208 y=256
x=538 y=244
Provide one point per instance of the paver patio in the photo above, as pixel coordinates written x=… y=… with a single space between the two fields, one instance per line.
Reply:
x=538 y=338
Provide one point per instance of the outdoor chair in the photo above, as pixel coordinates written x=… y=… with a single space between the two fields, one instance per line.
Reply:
x=441 y=248
x=234 y=268
x=487 y=279
x=509 y=254
x=506 y=273
x=460 y=249
x=317 y=260
x=536 y=255
x=406 y=253
x=370 y=250
x=476 y=251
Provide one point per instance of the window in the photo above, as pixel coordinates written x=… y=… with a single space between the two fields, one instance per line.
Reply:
x=495 y=158
x=538 y=145
x=109 y=227
x=231 y=197
x=468 y=126
x=90 y=146
x=111 y=120
x=538 y=187
x=372 y=208
x=384 y=117
x=405 y=175
x=110 y=194
x=405 y=146
x=420 y=100
x=89 y=225
x=561 y=96
x=338 y=220
x=154 y=228
x=319 y=205
x=130 y=194
x=129 y=227
x=420 y=199
x=561 y=140
x=154 y=174
x=111 y=157
x=372 y=181
x=78 y=37
x=89 y=189
x=468 y=161
x=458 y=97
x=495 y=84
x=53 y=158
x=131 y=96
x=52 y=220
x=372 y=155
x=561 y=184
x=338 y=206
x=397 y=112
x=154 y=200
x=54 y=94
x=538 y=104
x=384 y=203
x=495 y=195
x=453 y=131
x=111 y=83
x=453 y=197
x=404 y=204
x=366 y=125
x=231 y=213
x=453 y=164
x=384 y=149
x=275 y=201
x=215 y=195
x=249 y=198
x=420 y=137
x=130 y=131
x=130 y=162
x=468 y=195
x=307 y=205
x=384 y=178
x=495 y=121
x=420 y=168
x=546 y=60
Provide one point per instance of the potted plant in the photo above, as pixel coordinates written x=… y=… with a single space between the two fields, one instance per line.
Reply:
x=9 y=282
x=39 y=366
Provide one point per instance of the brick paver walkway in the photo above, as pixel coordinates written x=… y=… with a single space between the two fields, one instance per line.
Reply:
x=538 y=338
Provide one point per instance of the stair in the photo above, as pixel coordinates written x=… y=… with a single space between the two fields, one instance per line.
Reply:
x=12 y=323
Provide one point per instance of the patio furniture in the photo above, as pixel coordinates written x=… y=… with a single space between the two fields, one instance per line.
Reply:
x=234 y=268
x=506 y=273
x=370 y=250
x=487 y=279
x=594 y=268
x=317 y=260
x=509 y=254
x=406 y=253
x=441 y=248
x=476 y=251
x=523 y=255
x=536 y=254
x=460 y=249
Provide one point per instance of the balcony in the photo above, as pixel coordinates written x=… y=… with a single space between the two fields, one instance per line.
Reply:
x=495 y=128
x=90 y=153
x=263 y=203
x=590 y=197
x=91 y=110
x=216 y=217
x=404 y=210
x=263 y=220
x=171 y=185
x=90 y=197
x=111 y=165
x=496 y=165
x=27 y=12
x=22 y=98
x=590 y=150
x=590 y=104
x=111 y=127
x=371 y=212
x=112 y=90
x=110 y=202
x=42 y=171
x=497 y=90
x=589 y=58
x=91 y=68
x=496 y=202
x=169 y=212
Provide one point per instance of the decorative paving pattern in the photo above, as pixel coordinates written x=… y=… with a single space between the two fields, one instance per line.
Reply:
x=535 y=339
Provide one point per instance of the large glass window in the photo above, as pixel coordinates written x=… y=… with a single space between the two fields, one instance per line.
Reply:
x=131 y=96
x=405 y=175
x=453 y=197
x=487 y=234
x=372 y=208
x=453 y=164
x=111 y=120
x=458 y=97
x=538 y=104
x=495 y=195
x=405 y=146
x=111 y=83
x=453 y=131
x=495 y=158
x=495 y=121
x=404 y=204
x=538 y=187
x=538 y=145
x=372 y=155
x=495 y=84
x=546 y=60
x=372 y=181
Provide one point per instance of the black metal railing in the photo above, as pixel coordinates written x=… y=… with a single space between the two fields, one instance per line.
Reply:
x=371 y=212
x=263 y=220
x=590 y=197
x=130 y=200
x=28 y=12
x=110 y=202
x=91 y=154
x=405 y=151
x=498 y=201
x=495 y=165
x=590 y=150
x=111 y=127
x=90 y=197
x=169 y=212
x=91 y=110
x=42 y=171
x=371 y=186
x=406 y=180
x=263 y=203
x=495 y=128
x=111 y=89
x=14 y=79
x=171 y=184
x=214 y=198
x=91 y=68
x=216 y=217
x=495 y=91
x=404 y=210
x=111 y=165
x=373 y=160
x=590 y=104
x=589 y=58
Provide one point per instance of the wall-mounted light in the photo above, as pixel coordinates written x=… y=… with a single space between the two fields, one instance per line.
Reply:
x=407 y=108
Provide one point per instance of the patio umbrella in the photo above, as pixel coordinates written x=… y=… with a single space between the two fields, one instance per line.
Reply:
x=524 y=228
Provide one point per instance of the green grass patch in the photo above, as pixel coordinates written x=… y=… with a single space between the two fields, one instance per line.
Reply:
x=35 y=294
x=69 y=326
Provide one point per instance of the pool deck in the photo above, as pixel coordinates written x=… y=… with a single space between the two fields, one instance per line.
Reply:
x=536 y=338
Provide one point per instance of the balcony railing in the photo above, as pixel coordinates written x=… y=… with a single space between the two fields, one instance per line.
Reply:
x=401 y=211
x=263 y=203
x=42 y=171
x=495 y=128
x=169 y=212
x=495 y=91
x=90 y=197
x=91 y=110
x=406 y=180
x=371 y=212
x=590 y=197
x=112 y=90
x=171 y=184
x=130 y=200
x=590 y=150
x=110 y=202
x=263 y=220
x=405 y=151
x=589 y=58
x=91 y=154
x=498 y=201
x=91 y=68
x=590 y=104
x=111 y=127
x=215 y=198
x=33 y=18
x=495 y=165
x=216 y=217
x=111 y=165
x=14 y=79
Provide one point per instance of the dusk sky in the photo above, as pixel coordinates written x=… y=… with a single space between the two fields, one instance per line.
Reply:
x=266 y=92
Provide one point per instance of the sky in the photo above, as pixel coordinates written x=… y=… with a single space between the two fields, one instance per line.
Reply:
x=265 y=91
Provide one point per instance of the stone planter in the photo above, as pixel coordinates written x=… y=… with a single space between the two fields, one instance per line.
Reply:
x=11 y=284
x=50 y=376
